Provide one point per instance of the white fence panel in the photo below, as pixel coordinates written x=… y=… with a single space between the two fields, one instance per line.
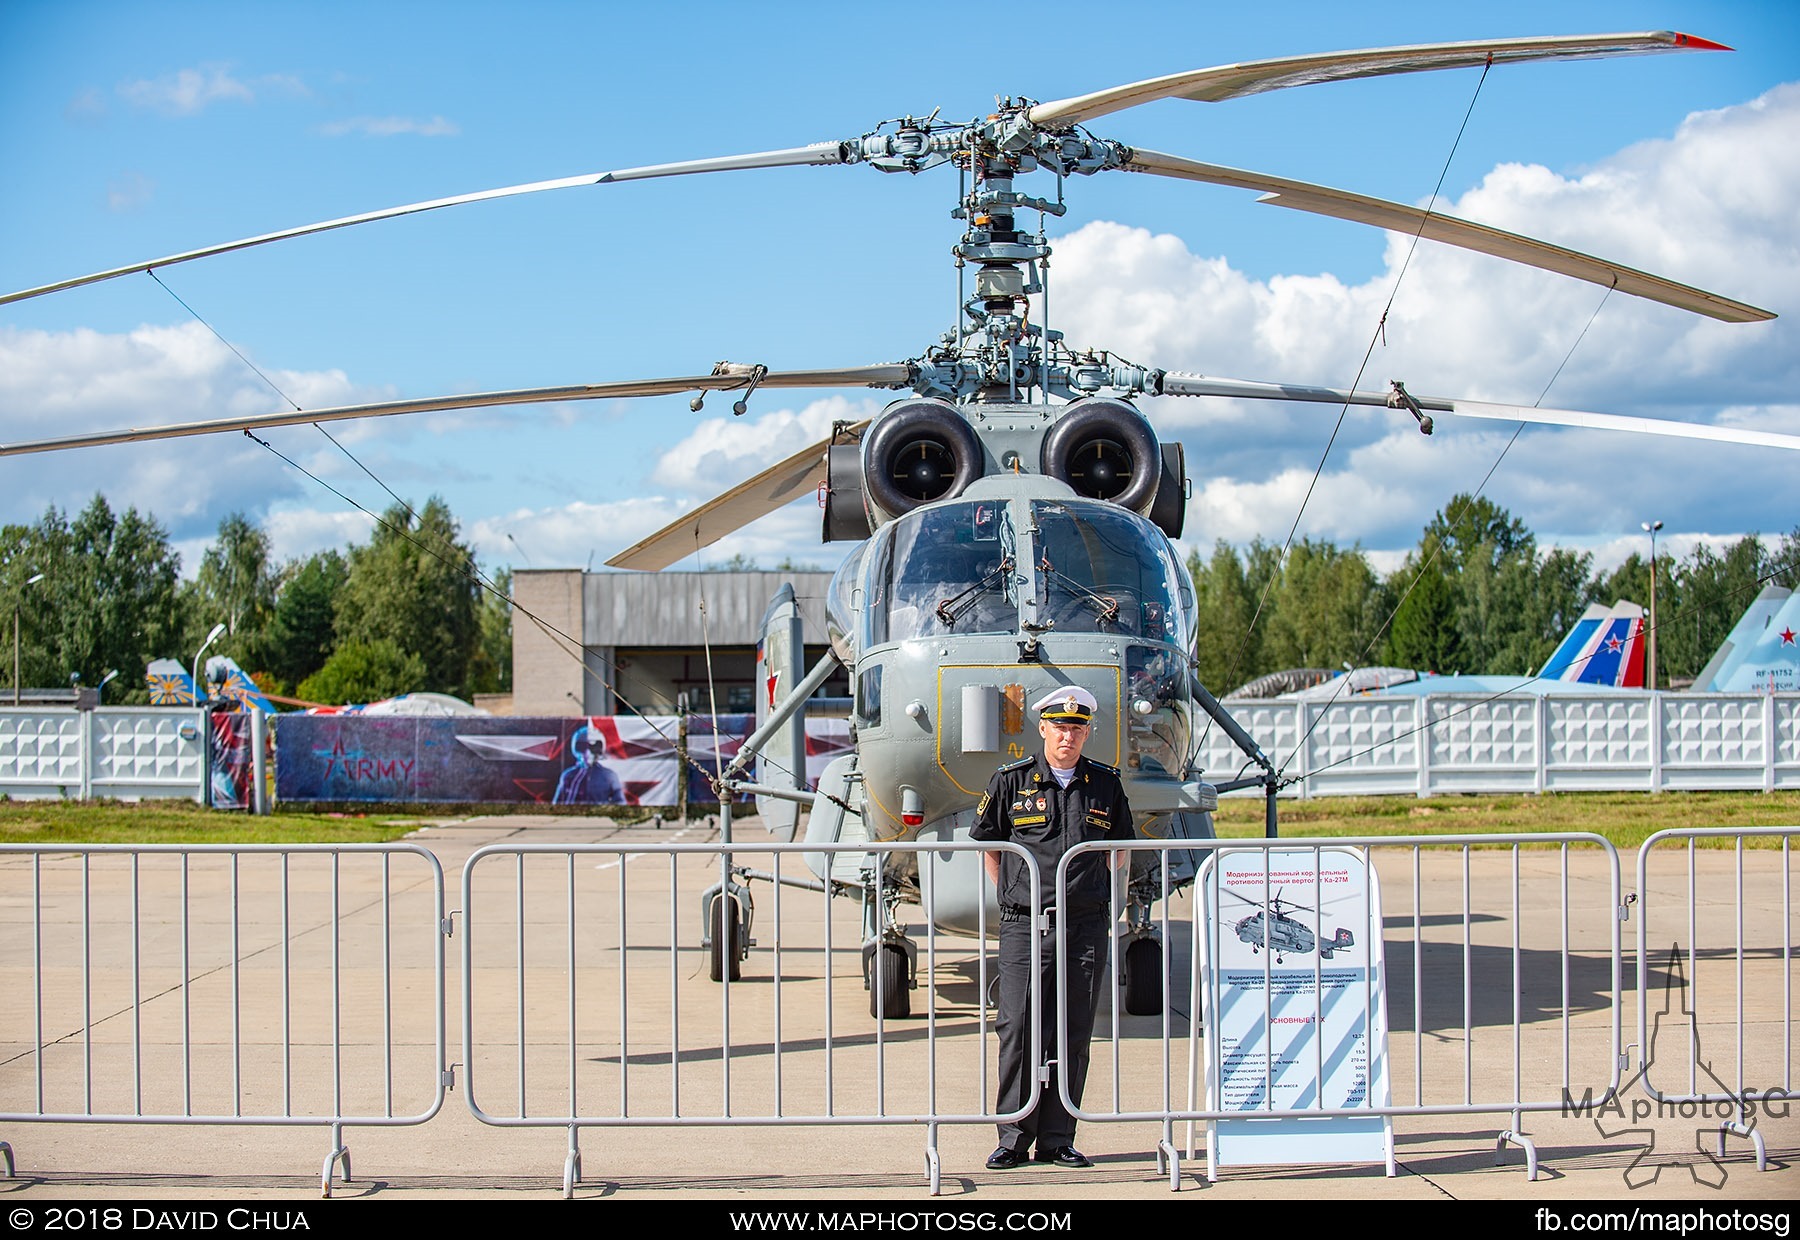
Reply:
x=1784 y=725
x=1715 y=741
x=116 y=751
x=41 y=753
x=1444 y=744
x=1483 y=745
x=146 y=752
x=1426 y=746
x=1363 y=747
x=1598 y=744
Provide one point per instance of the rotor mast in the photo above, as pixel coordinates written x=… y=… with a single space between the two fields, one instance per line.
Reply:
x=1010 y=266
x=999 y=353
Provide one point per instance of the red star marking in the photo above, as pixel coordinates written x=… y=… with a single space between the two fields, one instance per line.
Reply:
x=1787 y=637
x=1613 y=643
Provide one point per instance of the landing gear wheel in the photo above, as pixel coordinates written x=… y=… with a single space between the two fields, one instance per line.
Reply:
x=726 y=936
x=1143 y=978
x=890 y=995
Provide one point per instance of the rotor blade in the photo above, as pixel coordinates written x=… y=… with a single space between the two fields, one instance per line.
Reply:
x=817 y=153
x=1361 y=209
x=725 y=377
x=757 y=497
x=1254 y=77
x=1622 y=422
x=1202 y=385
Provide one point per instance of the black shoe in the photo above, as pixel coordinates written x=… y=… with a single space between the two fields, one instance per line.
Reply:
x=1005 y=1159
x=1062 y=1156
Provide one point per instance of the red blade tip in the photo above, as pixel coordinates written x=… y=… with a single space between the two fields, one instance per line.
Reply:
x=1704 y=45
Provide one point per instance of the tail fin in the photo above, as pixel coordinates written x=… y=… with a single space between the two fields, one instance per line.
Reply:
x=1762 y=653
x=782 y=762
x=235 y=683
x=169 y=683
x=1606 y=647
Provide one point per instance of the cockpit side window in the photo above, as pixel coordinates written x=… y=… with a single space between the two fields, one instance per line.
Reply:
x=1103 y=569
x=953 y=570
x=878 y=590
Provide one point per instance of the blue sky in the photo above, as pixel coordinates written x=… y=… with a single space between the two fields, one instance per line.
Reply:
x=130 y=131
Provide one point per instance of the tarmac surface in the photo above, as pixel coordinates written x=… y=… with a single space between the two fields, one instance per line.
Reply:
x=524 y=916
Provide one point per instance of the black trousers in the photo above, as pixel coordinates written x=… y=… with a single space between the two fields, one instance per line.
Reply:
x=1048 y=1124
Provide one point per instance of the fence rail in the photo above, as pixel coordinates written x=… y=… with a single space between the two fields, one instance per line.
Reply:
x=290 y=985
x=592 y=1014
x=1740 y=1072
x=1520 y=972
x=307 y=986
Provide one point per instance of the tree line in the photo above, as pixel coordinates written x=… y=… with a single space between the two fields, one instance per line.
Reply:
x=407 y=612
x=1476 y=595
x=404 y=612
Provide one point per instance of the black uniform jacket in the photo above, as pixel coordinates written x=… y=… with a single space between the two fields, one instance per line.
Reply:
x=1026 y=805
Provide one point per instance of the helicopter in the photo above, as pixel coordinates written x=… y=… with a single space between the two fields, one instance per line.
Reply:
x=1013 y=511
x=1270 y=927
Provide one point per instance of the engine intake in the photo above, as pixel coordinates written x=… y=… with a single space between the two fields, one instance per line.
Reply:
x=917 y=453
x=1105 y=449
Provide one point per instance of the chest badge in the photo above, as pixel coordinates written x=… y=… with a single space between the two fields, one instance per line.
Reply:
x=1042 y=804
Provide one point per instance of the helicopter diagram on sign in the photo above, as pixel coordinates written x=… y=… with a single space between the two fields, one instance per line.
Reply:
x=1272 y=927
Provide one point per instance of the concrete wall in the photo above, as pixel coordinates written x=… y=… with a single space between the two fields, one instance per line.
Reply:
x=547 y=655
x=1428 y=746
x=127 y=752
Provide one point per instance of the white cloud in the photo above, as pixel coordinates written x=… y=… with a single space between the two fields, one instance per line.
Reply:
x=54 y=384
x=719 y=453
x=391 y=126
x=581 y=535
x=1711 y=206
x=186 y=91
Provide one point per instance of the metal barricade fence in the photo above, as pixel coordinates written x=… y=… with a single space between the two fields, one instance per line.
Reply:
x=1695 y=1063
x=298 y=985
x=1522 y=1008
x=595 y=1007
x=305 y=986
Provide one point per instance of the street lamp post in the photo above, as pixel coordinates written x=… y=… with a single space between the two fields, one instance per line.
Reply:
x=210 y=639
x=1650 y=527
x=17 y=607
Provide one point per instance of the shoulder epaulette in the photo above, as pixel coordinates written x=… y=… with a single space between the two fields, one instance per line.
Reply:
x=1110 y=770
x=1020 y=765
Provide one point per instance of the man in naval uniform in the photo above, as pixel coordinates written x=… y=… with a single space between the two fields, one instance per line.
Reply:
x=1049 y=804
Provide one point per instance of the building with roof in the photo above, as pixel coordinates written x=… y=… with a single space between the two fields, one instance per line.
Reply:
x=616 y=642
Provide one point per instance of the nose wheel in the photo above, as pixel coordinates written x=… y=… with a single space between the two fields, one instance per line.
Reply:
x=725 y=916
x=890 y=971
x=890 y=959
